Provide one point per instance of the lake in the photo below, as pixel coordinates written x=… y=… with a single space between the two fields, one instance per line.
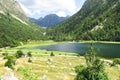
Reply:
x=102 y=49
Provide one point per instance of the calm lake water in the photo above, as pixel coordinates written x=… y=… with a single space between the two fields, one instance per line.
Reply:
x=103 y=49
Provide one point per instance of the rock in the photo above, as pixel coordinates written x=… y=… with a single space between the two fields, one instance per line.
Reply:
x=9 y=77
x=70 y=63
x=1 y=59
x=48 y=63
x=8 y=69
x=118 y=66
x=53 y=66
x=44 y=77
x=14 y=8
x=50 y=60
x=72 y=73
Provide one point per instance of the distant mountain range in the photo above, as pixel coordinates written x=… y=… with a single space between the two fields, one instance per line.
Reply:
x=96 y=20
x=49 y=20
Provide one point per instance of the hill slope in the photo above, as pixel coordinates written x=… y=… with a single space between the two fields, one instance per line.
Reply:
x=49 y=20
x=97 y=20
x=15 y=27
x=12 y=6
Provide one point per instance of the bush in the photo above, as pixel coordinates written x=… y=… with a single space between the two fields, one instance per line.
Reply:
x=52 y=54
x=94 y=69
x=10 y=62
x=46 y=53
x=19 y=54
x=5 y=54
x=29 y=60
x=116 y=61
x=29 y=54
x=78 y=55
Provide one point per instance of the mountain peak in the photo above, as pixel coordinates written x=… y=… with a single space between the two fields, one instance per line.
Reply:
x=12 y=7
x=49 y=20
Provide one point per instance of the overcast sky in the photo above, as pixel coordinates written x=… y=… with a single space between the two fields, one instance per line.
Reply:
x=40 y=8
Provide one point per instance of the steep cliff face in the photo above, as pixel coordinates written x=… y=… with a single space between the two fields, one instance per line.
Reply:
x=12 y=7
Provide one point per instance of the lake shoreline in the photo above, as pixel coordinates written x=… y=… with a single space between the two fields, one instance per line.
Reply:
x=31 y=46
x=94 y=42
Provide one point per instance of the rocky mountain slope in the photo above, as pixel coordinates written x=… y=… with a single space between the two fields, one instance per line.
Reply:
x=12 y=6
x=48 y=20
x=15 y=27
x=97 y=20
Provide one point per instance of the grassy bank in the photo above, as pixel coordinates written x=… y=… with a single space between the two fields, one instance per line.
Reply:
x=31 y=47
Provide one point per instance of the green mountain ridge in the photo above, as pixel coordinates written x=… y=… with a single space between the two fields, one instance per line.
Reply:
x=16 y=28
x=97 y=20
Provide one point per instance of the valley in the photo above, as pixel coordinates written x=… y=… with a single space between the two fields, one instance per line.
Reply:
x=84 y=46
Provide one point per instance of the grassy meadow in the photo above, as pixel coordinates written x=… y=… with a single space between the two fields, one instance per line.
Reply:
x=46 y=67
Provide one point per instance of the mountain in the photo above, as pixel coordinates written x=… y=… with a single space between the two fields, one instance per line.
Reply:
x=49 y=20
x=12 y=6
x=15 y=27
x=96 y=20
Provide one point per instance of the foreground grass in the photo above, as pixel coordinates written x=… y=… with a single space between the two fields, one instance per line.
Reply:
x=46 y=67
x=60 y=67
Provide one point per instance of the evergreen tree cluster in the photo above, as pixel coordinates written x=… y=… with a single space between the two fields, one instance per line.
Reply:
x=97 y=20
x=12 y=31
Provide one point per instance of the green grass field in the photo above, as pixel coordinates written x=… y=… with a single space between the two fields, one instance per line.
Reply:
x=46 y=67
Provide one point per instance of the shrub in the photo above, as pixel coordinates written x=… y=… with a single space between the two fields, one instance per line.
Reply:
x=5 y=54
x=94 y=69
x=29 y=60
x=46 y=53
x=52 y=54
x=116 y=61
x=10 y=61
x=78 y=55
x=29 y=54
x=59 y=53
x=19 y=54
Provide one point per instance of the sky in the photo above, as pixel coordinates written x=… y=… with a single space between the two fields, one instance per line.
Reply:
x=41 y=8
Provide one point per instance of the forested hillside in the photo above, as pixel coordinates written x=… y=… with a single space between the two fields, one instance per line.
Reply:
x=13 y=31
x=97 y=20
x=14 y=27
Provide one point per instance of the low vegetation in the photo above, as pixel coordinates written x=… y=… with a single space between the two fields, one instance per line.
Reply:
x=62 y=66
x=13 y=32
x=10 y=62
x=19 y=54
x=52 y=54
x=94 y=69
x=116 y=62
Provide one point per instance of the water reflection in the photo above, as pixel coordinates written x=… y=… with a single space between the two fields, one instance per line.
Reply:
x=103 y=49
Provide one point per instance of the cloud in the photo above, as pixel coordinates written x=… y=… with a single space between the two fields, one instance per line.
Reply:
x=37 y=8
x=61 y=13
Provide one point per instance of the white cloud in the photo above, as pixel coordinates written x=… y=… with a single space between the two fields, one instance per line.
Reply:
x=61 y=13
x=44 y=7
